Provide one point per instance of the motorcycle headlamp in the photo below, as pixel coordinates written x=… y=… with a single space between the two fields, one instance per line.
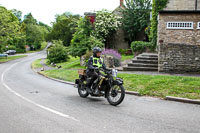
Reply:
x=114 y=73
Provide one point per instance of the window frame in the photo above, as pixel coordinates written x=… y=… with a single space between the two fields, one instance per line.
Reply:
x=198 y=25
x=179 y=25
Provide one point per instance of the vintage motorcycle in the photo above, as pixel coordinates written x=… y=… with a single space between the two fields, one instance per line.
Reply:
x=107 y=83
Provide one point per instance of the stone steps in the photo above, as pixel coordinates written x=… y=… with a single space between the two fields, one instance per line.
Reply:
x=140 y=69
x=149 y=54
x=143 y=62
x=147 y=58
x=142 y=65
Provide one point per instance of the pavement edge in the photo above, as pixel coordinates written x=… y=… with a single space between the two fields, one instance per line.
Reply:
x=184 y=100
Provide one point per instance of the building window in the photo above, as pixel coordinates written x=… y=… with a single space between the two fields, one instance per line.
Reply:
x=198 y=25
x=179 y=25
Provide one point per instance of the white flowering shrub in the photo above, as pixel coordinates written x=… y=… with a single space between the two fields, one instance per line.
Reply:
x=106 y=24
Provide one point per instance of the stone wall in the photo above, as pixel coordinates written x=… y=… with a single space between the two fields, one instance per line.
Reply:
x=181 y=5
x=178 y=58
x=179 y=36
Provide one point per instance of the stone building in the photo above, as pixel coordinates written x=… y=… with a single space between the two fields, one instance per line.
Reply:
x=179 y=37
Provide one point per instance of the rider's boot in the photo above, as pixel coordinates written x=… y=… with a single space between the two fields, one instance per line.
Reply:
x=88 y=86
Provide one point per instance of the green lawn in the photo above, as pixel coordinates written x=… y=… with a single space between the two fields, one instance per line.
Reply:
x=161 y=86
x=158 y=86
x=36 y=64
x=72 y=63
x=67 y=75
x=3 y=59
x=127 y=57
x=150 y=85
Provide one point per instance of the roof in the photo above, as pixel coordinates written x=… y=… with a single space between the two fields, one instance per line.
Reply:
x=180 y=11
x=89 y=14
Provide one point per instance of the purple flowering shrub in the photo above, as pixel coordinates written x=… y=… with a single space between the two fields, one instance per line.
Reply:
x=117 y=57
x=112 y=52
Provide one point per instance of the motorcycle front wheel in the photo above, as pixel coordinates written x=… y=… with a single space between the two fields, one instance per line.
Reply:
x=82 y=91
x=116 y=95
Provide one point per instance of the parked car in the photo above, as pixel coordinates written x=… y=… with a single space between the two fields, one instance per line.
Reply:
x=10 y=52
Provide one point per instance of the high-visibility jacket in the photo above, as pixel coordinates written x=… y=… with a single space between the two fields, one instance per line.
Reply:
x=97 y=62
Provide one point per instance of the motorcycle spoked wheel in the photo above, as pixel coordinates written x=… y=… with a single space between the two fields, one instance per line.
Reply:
x=116 y=95
x=82 y=91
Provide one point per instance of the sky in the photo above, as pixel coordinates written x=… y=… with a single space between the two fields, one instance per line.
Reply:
x=45 y=10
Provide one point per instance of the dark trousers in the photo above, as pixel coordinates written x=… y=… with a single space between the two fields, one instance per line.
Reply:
x=92 y=76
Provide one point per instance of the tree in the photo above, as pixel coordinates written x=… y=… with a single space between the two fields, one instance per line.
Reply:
x=106 y=24
x=136 y=17
x=45 y=26
x=57 y=53
x=82 y=40
x=63 y=28
x=18 y=14
x=35 y=32
x=34 y=36
x=29 y=19
x=10 y=30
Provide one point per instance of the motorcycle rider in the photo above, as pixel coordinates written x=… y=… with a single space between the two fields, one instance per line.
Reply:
x=94 y=63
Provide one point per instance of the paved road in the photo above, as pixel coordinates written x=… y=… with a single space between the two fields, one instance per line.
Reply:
x=31 y=103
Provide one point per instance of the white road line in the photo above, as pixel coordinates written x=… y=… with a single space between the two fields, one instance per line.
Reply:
x=32 y=102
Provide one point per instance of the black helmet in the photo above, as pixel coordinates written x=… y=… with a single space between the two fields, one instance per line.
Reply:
x=96 y=50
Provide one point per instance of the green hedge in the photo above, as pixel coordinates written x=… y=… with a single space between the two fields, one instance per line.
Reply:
x=125 y=51
x=140 y=46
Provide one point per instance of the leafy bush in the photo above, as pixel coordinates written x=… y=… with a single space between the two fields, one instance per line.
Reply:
x=140 y=46
x=57 y=53
x=82 y=40
x=117 y=57
x=11 y=47
x=125 y=51
x=94 y=42
x=18 y=50
x=106 y=24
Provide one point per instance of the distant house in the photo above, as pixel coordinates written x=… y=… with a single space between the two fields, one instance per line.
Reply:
x=118 y=41
x=179 y=36
x=91 y=15
x=27 y=48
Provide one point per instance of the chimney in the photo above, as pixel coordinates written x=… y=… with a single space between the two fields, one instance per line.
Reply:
x=121 y=3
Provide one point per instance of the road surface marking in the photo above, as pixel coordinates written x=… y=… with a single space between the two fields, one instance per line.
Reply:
x=32 y=102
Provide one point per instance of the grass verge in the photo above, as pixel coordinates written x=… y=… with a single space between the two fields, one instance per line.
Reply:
x=3 y=59
x=149 y=85
x=67 y=75
x=36 y=64
x=127 y=57
x=72 y=63
x=162 y=86
x=157 y=86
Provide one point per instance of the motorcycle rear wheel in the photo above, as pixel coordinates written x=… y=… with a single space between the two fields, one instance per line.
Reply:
x=113 y=94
